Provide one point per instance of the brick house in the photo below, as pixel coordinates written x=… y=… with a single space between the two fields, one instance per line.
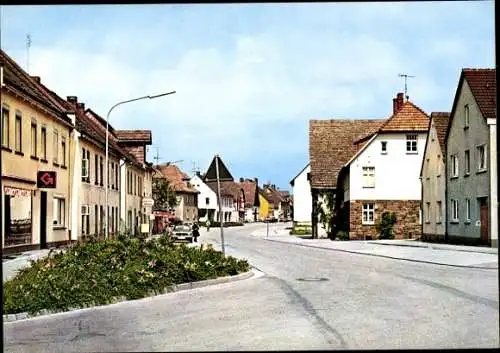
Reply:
x=370 y=166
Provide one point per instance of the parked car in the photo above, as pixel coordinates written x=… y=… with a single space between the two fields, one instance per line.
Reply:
x=182 y=232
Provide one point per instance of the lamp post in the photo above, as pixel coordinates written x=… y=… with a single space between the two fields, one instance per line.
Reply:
x=106 y=230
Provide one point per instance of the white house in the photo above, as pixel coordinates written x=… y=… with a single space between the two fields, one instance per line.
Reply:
x=384 y=174
x=207 y=199
x=302 y=197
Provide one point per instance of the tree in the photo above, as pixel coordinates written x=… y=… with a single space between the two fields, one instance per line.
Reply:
x=163 y=194
x=326 y=210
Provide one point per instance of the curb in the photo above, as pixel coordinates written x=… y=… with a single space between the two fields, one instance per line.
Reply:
x=439 y=248
x=168 y=290
x=386 y=256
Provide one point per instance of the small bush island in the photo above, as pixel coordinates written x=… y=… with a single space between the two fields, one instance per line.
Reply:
x=103 y=272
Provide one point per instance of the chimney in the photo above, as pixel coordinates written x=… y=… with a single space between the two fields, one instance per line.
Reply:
x=81 y=106
x=397 y=103
x=72 y=99
x=37 y=79
x=256 y=181
x=198 y=173
x=242 y=180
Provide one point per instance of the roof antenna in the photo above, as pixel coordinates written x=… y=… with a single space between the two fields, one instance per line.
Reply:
x=406 y=76
x=28 y=45
x=157 y=156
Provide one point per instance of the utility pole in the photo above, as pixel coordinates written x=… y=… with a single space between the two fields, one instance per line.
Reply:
x=406 y=76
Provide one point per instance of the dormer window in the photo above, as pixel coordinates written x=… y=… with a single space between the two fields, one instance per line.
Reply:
x=466 y=116
x=383 y=147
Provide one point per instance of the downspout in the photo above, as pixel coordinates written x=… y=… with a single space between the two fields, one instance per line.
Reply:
x=75 y=194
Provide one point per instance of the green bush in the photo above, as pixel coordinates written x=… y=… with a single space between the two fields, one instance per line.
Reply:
x=386 y=226
x=342 y=235
x=103 y=272
x=226 y=224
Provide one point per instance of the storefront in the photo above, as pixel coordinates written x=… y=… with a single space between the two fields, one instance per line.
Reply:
x=18 y=216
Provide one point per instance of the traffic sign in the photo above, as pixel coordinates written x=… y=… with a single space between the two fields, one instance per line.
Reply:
x=146 y=202
x=46 y=179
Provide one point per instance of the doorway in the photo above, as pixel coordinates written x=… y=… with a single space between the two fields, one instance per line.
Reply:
x=483 y=216
x=43 y=220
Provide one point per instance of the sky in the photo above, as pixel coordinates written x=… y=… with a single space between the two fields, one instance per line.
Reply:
x=249 y=77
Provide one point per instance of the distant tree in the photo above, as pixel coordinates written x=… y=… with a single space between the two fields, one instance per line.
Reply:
x=163 y=194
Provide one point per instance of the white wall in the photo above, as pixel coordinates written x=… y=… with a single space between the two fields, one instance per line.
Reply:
x=493 y=155
x=396 y=173
x=302 y=198
x=205 y=191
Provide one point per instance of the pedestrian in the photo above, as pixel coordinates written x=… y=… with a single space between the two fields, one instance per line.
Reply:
x=196 y=231
x=208 y=225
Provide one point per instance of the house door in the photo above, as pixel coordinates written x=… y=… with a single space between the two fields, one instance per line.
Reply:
x=483 y=207
x=43 y=220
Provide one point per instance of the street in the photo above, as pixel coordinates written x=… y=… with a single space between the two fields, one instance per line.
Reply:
x=305 y=298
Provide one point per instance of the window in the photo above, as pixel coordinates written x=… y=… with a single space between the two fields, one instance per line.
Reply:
x=59 y=212
x=411 y=143
x=34 y=142
x=85 y=166
x=439 y=165
x=101 y=171
x=368 y=213
x=481 y=158
x=112 y=176
x=439 y=213
x=5 y=127
x=466 y=116
x=207 y=200
x=368 y=177
x=383 y=146
x=117 y=178
x=427 y=212
x=19 y=133
x=96 y=167
x=454 y=166
x=56 y=146
x=467 y=162
x=454 y=210
x=43 y=138
x=85 y=213
x=63 y=150
x=467 y=210
x=96 y=220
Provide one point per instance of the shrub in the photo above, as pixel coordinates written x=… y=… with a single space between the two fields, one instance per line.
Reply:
x=386 y=226
x=342 y=235
x=301 y=231
x=103 y=272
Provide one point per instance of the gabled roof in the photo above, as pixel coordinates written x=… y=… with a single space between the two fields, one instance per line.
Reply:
x=440 y=120
x=176 y=178
x=227 y=188
x=250 y=189
x=265 y=195
x=211 y=174
x=21 y=83
x=482 y=83
x=301 y=171
x=408 y=118
x=128 y=136
x=331 y=145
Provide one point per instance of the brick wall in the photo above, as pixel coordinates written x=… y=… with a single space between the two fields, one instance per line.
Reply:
x=407 y=216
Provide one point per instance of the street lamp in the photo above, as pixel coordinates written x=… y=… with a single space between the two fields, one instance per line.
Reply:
x=106 y=230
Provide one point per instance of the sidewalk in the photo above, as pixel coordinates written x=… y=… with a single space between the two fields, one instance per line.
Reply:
x=441 y=254
x=11 y=267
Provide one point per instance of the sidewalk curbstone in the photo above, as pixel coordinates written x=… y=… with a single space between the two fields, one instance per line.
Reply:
x=435 y=246
x=385 y=256
x=168 y=290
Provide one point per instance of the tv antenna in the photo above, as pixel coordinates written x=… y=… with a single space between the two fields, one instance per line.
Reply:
x=28 y=46
x=157 y=155
x=406 y=76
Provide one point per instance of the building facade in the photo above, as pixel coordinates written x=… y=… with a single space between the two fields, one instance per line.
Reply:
x=302 y=198
x=471 y=180
x=433 y=179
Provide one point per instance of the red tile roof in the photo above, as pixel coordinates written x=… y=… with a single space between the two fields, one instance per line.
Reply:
x=441 y=120
x=408 y=118
x=143 y=136
x=331 y=145
x=483 y=85
x=227 y=188
x=177 y=178
x=250 y=189
x=20 y=82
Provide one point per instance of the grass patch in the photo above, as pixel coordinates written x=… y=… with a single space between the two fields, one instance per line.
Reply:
x=104 y=272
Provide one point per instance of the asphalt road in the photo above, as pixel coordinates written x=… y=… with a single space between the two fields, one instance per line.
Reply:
x=308 y=298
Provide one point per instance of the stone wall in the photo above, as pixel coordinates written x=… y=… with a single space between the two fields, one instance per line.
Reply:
x=407 y=219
